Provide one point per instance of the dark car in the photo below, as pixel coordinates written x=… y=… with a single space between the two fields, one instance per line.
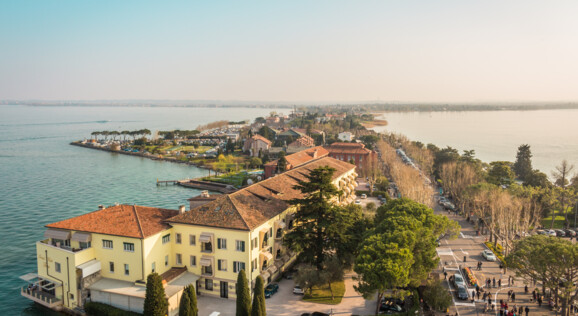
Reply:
x=462 y=293
x=560 y=233
x=271 y=289
x=570 y=233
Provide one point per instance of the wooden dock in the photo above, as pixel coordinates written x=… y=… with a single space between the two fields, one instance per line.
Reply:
x=200 y=185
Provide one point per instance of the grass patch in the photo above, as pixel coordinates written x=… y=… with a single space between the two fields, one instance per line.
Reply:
x=558 y=222
x=322 y=295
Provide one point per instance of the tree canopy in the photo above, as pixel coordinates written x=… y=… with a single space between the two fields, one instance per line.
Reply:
x=243 y=295
x=523 y=164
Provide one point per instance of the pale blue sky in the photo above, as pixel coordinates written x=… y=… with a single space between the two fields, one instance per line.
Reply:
x=342 y=51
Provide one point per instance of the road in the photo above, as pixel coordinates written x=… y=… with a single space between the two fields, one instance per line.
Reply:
x=469 y=246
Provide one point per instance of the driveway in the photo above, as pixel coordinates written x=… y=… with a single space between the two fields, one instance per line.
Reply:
x=284 y=302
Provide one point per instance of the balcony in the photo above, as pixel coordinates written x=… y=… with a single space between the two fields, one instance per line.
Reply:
x=42 y=298
x=61 y=246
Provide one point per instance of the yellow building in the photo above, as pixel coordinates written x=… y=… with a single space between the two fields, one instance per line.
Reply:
x=106 y=255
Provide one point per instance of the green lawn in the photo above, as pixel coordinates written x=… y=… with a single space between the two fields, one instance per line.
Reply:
x=322 y=295
x=559 y=219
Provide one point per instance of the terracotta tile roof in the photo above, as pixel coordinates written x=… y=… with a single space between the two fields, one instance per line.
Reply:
x=250 y=207
x=120 y=220
x=261 y=138
x=303 y=141
x=304 y=156
x=348 y=148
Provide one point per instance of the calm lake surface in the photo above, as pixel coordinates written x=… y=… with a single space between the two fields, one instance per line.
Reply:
x=43 y=179
x=495 y=135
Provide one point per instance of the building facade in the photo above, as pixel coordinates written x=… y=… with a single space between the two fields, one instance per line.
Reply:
x=355 y=152
x=106 y=255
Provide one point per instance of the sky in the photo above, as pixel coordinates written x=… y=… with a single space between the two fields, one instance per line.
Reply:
x=290 y=51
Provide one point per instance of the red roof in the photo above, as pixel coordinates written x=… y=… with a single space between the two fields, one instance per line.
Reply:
x=252 y=206
x=303 y=156
x=120 y=220
x=348 y=148
x=261 y=138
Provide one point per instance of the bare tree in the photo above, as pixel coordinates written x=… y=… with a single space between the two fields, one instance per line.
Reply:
x=562 y=174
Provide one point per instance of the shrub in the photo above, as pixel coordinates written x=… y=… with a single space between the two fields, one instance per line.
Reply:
x=99 y=309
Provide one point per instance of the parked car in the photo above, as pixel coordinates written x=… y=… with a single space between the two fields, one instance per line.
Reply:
x=462 y=293
x=488 y=255
x=390 y=305
x=357 y=201
x=551 y=232
x=271 y=289
x=541 y=232
x=560 y=233
x=459 y=280
x=570 y=233
x=364 y=196
x=298 y=290
x=442 y=200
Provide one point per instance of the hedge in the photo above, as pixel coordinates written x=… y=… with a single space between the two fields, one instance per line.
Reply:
x=99 y=309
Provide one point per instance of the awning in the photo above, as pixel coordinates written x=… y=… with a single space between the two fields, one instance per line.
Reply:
x=29 y=276
x=57 y=234
x=267 y=255
x=206 y=262
x=82 y=237
x=205 y=237
x=280 y=224
x=272 y=269
x=265 y=275
x=89 y=268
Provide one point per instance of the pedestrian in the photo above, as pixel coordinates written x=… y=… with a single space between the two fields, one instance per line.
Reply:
x=513 y=296
x=490 y=298
x=540 y=301
x=481 y=265
x=527 y=309
x=494 y=281
x=445 y=274
x=509 y=295
x=500 y=283
x=534 y=295
x=473 y=295
x=501 y=312
x=521 y=310
x=478 y=293
x=526 y=289
x=464 y=258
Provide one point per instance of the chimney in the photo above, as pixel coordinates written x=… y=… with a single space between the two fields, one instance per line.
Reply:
x=181 y=209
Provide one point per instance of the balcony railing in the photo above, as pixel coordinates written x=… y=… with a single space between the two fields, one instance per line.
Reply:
x=67 y=248
x=40 y=297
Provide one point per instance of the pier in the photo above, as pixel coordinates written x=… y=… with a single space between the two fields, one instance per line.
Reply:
x=200 y=185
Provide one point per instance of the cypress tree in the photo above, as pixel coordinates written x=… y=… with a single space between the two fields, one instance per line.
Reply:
x=155 y=303
x=258 y=307
x=185 y=304
x=192 y=293
x=243 y=295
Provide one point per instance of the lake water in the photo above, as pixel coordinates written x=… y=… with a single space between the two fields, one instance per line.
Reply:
x=495 y=135
x=43 y=179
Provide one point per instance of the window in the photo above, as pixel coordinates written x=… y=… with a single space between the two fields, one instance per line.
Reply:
x=207 y=270
x=254 y=243
x=271 y=232
x=153 y=267
x=107 y=244
x=238 y=266
x=166 y=238
x=57 y=267
x=166 y=260
x=192 y=240
x=193 y=261
x=265 y=240
x=240 y=245
x=222 y=265
x=111 y=267
x=126 y=269
x=206 y=247
x=208 y=284
x=279 y=233
x=255 y=264
x=84 y=245
x=221 y=243
x=128 y=246
x=178 y=238
x=179 y=259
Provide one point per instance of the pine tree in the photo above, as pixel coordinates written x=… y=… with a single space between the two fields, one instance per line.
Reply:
x=281 y=163
x=258 y=307
x=155 y=303
x=523 y=165
x=243 y=295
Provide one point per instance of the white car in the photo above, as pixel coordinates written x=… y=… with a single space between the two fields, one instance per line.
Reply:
x=551 y=232
x=298 y=290
x=489 y=255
